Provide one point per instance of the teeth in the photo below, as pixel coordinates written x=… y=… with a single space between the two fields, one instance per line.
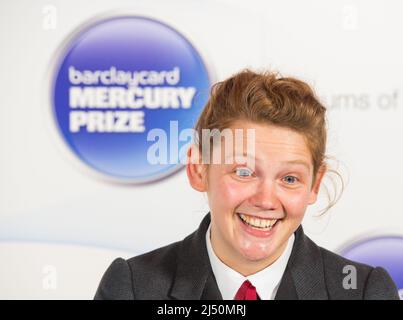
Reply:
x=258 y=223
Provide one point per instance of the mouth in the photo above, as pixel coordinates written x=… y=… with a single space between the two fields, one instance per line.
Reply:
x=258 y=226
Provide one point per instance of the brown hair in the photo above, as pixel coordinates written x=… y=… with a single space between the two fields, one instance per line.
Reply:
x=268 y=98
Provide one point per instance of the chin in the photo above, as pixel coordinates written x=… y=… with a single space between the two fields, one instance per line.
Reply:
x=257 y=252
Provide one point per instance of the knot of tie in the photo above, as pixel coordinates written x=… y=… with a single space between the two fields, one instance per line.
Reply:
x=247 y=292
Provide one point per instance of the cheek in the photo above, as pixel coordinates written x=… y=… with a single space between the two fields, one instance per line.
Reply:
x=295 y=202
x=227 y=194
x=234 y=192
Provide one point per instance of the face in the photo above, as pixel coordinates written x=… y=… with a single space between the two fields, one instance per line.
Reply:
x=255 y=208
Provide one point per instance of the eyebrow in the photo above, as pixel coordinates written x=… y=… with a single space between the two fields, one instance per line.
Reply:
x=297 y=162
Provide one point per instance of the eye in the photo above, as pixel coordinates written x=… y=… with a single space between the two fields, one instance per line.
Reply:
x=243 y=172
x=290 y=179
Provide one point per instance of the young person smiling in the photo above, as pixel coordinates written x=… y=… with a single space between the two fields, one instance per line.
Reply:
x=251 y=244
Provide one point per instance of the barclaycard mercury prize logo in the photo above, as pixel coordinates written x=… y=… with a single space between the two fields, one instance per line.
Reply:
x=117 y=82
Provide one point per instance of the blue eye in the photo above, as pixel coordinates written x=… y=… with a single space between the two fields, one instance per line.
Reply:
x=290 y=179
x=243 y=172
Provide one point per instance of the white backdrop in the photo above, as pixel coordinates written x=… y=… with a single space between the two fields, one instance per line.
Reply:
x=60 y=226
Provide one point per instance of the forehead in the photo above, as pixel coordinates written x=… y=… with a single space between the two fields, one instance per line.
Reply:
x=271 y=143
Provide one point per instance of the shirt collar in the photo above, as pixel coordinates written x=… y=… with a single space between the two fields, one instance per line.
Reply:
x=266 y=281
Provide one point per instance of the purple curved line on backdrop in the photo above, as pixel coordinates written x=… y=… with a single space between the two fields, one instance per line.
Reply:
x=386 y=252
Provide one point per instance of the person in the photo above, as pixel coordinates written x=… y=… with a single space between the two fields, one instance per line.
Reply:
x=251 y=244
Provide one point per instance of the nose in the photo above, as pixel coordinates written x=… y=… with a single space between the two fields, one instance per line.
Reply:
x=265 y=196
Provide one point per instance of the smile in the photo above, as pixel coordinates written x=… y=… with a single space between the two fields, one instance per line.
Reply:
x=259 y=223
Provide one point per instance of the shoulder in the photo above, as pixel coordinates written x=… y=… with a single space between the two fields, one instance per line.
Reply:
x=152 y=275
x=347 y=279
x=156 y=263
x=132 y=278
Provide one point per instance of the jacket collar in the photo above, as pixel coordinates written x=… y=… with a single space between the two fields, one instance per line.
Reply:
x=304 y=277
x=194 y=278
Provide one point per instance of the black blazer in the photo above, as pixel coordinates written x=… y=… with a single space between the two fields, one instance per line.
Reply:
x=182 y=270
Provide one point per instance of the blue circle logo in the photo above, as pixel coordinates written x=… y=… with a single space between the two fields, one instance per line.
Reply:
x=125 y=94
x=386 y=252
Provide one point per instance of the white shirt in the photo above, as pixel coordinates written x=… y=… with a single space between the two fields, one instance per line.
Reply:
x=266 y=281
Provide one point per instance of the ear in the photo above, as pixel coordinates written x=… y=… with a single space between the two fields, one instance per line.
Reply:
x=316 y=185
x=195 y=169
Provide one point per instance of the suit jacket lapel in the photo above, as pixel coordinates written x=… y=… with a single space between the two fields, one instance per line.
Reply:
x=286 y=289
x=304 y=277
x=211 y=290
x=194 y=278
